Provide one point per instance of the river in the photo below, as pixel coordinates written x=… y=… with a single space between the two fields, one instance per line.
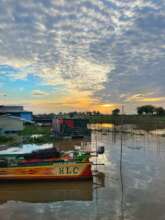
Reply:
x=130 y=185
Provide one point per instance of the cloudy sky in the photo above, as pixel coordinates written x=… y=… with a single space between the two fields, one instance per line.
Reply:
x=65 y=55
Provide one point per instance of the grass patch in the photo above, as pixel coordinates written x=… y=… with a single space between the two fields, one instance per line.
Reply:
x=35 y=129
x=7 y=140
x=30 y=130
x=39 y=140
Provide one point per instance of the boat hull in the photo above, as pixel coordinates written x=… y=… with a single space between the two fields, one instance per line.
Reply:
x=55 y=171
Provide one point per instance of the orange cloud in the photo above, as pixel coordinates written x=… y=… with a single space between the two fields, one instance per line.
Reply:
x=150 y=99
x=143 y=98
x=73 y=101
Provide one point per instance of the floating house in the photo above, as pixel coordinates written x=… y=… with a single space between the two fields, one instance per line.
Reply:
x=71 y=127
x=17 y=111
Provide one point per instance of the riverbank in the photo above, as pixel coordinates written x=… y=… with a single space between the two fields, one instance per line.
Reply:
x=5 y=140
x=127 y=119
x=34 y=134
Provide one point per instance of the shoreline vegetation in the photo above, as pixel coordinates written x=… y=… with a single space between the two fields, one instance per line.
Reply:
x=5 y=140
x=142 y=122
x=128 y=119
x=34 y=134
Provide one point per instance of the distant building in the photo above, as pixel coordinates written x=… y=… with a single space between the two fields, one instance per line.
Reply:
x=10 y=124
x=71 y=127
x=17 y=111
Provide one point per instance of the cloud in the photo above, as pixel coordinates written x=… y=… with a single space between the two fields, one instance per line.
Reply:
x=39 y=93
x=75 y=101
x=112 y=49
x=3 y=94
x=78 y=73
x=144 y=98
x=138 y=57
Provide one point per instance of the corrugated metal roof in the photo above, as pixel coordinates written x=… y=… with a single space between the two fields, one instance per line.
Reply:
x=15 y=117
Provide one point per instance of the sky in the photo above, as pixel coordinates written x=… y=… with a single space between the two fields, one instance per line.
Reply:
x=82 y=55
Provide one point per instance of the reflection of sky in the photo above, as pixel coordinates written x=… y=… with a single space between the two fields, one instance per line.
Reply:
x=101 y=126
x=26 y=148
x=82 y=55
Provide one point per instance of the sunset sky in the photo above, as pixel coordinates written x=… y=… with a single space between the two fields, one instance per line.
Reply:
x=66 y=55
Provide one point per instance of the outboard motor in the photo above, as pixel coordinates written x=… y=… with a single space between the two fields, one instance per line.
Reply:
x=100 y=150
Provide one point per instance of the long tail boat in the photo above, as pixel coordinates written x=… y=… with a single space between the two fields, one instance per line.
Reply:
x=47 y=164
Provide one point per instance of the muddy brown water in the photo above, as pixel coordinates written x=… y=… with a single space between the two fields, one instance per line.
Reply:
x=130 y=187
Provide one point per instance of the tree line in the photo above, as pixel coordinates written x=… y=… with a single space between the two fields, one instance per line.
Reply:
x=141 y=110
x=70 y=114
x=144 y=110
x=150 y=110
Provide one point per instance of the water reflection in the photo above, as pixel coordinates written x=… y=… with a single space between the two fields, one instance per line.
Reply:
x=46 y=192
x=142 y=193
x=25 y=148
x=63 y=145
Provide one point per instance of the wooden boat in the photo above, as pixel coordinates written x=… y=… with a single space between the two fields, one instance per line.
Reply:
x=53 y=171
x=45 y=165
